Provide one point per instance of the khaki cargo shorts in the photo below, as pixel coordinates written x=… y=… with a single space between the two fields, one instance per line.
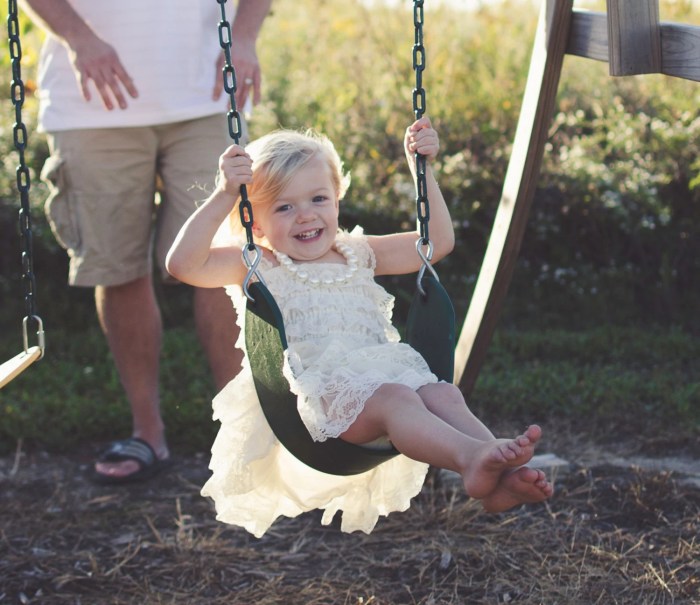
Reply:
x=118 y=196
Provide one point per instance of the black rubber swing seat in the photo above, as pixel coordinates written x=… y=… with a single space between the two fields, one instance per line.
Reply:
x=431 y=323
x=430 y=328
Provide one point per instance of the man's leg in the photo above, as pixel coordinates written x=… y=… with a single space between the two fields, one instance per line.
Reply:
x=130 y=318
x=102 y=184
x=188 y=156
x=217 y=330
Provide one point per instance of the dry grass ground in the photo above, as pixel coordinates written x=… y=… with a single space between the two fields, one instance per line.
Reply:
x=610 y=536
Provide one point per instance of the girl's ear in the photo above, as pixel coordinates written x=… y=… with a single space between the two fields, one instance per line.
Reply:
x=257 y=231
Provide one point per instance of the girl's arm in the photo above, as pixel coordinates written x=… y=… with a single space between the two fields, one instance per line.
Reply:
x=396 y=254
x=192 y=259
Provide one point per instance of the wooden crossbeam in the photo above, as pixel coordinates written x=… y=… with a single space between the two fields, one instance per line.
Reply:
x=680 y=44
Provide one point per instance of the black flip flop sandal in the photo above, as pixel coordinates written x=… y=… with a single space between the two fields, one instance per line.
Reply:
x=129 y=449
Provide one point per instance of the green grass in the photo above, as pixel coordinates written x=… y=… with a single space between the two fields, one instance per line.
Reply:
x=73 y=395
x=629 y=380
x=633 y=378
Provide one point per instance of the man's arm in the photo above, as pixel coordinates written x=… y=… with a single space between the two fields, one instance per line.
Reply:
x=250 y=15
x=246 y=26
x=92 y=58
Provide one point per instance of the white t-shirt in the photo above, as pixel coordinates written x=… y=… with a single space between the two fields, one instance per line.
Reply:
x=170 y=50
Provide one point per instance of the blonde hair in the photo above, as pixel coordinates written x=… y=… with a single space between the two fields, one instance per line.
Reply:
x=277 y=157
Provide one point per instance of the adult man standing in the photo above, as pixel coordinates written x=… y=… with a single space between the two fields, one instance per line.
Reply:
x=131 y=96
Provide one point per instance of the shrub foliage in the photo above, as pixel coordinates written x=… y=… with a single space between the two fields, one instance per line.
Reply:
x=613 y=236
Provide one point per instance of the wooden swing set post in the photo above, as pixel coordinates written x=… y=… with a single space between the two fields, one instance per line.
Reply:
x=632 y=40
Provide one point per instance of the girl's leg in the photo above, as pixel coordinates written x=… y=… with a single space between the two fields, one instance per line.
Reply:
x=447 y=402
x=517 y=486
x=399 y=412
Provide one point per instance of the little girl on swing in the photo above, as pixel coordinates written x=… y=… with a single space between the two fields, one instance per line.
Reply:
x=352 y=377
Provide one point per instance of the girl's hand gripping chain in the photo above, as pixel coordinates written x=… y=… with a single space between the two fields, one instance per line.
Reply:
x=235 y=169
x=421 y=138
x=193 y=258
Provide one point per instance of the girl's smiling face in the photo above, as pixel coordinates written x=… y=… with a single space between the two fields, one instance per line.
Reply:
x=303 y=220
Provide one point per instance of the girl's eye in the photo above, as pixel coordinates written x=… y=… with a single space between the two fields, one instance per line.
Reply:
x=320 y=198
x=282 y=208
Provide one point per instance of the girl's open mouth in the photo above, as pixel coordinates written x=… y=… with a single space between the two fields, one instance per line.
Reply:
x=308 y=235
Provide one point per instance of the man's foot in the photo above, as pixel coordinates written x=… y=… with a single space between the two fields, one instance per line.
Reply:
x=493 y=458
x=521 y=486
x=128 y=461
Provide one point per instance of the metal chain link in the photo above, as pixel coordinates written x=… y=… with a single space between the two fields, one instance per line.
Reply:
x=19 y=132
x=233 y=116
x=419 y=104
x=422 y=205
x=235 y=130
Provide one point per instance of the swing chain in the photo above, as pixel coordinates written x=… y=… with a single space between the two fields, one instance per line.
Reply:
x=418 y=58
x=235 y=130
x=19 y=132
x=419 y=103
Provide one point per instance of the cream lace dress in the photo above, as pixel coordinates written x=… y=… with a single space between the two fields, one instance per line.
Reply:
x=342 y=347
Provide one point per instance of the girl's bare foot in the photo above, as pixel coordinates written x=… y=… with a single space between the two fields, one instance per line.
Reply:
x=521 y=486
x=486 y=465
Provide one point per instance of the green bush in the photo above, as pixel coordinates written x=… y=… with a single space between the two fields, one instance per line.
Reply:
x=612 y=247
x=614 y=221
x=619 y=206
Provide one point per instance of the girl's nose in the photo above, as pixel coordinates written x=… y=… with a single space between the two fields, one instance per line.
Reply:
x=306 y=214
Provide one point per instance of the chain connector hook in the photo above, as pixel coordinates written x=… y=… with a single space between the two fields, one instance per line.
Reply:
x=252 y=266
x=41 y=338
x=425 y=258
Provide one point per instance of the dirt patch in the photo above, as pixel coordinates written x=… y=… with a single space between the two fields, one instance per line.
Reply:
x=612 y=534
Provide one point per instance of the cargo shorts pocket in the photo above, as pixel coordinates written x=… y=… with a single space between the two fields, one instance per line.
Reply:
x=59 y=209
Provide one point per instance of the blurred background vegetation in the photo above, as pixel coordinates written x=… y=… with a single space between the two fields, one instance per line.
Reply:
x=601 y=321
